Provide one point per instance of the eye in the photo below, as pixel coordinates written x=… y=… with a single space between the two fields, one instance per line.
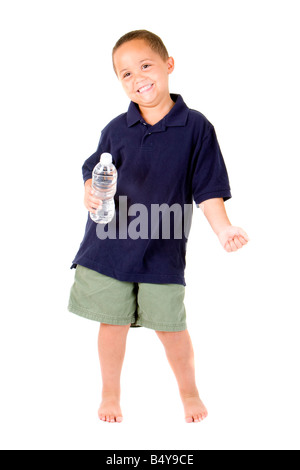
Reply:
x=146 y=65
x=126 y=75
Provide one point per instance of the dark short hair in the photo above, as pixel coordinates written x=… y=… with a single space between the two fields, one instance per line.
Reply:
x=151 y=39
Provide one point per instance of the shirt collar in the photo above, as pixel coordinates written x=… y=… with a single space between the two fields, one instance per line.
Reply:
x=177 y=116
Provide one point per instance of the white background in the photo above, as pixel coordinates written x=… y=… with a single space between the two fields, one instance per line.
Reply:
x=236 y=62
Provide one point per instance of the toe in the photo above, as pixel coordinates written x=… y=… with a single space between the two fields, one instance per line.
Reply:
x=119 y=419
x=112 y=419
x=189 y=419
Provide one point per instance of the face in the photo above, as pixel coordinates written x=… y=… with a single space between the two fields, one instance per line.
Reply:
x=143 y=74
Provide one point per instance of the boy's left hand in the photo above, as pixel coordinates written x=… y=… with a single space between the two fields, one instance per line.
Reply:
x=233 y=238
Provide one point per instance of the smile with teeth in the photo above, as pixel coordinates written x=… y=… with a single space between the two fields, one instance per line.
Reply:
x=145 y=88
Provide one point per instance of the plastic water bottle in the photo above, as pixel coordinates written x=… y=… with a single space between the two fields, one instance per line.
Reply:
x=104 y=184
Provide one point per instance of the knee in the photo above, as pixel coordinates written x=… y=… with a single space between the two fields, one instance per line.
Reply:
x=169 y=336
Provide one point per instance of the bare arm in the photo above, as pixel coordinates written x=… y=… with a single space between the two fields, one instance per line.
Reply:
x=215 y=212
x=231 y=238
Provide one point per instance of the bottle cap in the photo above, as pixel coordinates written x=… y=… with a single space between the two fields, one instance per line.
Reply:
x=106 y=159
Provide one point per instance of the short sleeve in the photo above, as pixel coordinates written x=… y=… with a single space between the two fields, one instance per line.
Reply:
x=210 y=177
x=91 y=162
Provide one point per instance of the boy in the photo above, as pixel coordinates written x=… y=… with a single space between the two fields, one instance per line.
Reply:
x=166 y=155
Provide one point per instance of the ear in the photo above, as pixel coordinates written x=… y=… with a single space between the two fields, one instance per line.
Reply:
x=170 y=64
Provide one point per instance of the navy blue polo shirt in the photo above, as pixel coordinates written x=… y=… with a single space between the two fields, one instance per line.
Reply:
x=169 y=165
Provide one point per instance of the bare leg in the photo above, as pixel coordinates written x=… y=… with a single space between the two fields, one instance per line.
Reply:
x=180 y=354
x=111 y=347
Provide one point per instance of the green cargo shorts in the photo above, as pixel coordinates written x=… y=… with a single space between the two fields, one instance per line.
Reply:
x=107 y=300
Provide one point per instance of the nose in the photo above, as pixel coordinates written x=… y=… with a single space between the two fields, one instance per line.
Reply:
x=139 y=77
x=139 y=80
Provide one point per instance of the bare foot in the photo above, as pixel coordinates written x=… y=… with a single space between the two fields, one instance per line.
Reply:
x=194 y=409
x=110 y=410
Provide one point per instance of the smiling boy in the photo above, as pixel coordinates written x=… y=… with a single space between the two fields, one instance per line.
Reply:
x=149 y=89
x=165 y=153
